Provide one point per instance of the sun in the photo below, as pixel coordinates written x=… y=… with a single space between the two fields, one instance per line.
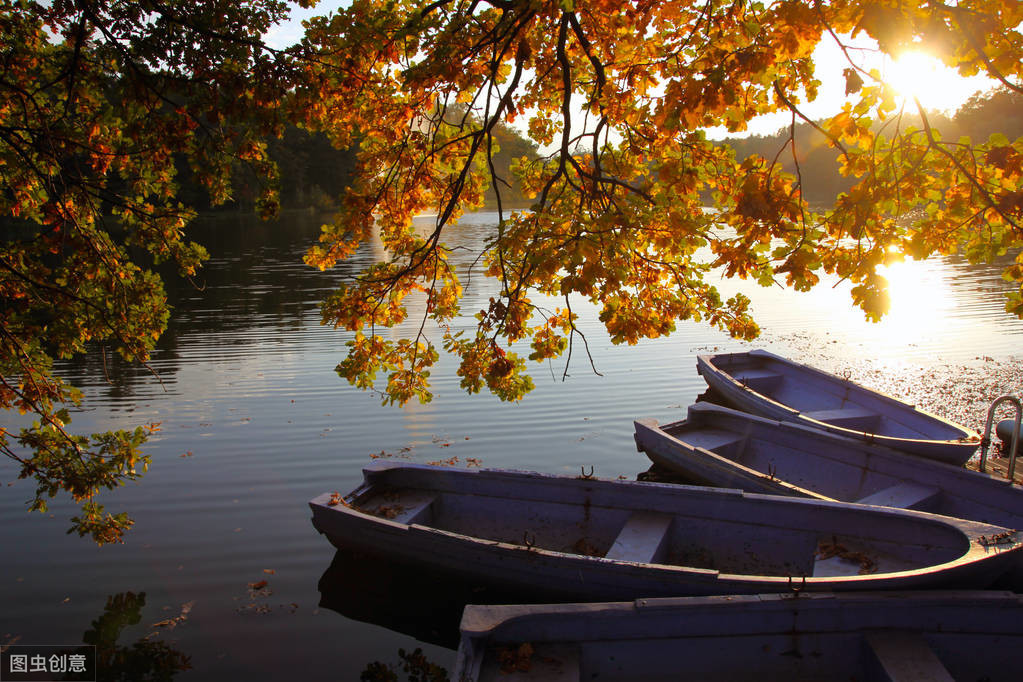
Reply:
x=915 y=74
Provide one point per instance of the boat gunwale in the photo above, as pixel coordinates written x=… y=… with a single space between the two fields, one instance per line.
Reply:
x=480 y=619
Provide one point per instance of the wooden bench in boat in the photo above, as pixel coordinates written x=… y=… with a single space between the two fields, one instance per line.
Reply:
x=760 y=380
x=856 y=418
x=905 y=495
x=643 y=538
x=414 y=507
x=905 y=657
x=724 y=443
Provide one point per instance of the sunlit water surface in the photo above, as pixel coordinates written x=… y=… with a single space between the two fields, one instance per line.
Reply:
x=254 y=423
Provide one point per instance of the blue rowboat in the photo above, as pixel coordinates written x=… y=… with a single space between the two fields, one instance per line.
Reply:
x=765 y=384
x=718 y=446
x=934 y=636
x=589 y=539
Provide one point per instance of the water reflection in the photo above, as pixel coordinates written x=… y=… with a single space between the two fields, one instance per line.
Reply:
x=144 y=659
x=256 y=292
x=406 y=598
x=416 y=666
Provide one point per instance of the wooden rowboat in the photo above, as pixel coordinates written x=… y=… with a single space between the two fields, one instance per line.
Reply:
x=583 y=538
x=715 y=445
x=718 y=446
x=935 y=636
x=771 y=386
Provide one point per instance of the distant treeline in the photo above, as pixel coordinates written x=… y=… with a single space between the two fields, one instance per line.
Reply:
x=999 y=111
x=313 y=174
x=511 y=146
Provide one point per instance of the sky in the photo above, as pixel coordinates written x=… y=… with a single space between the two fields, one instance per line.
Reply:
x=914 y=75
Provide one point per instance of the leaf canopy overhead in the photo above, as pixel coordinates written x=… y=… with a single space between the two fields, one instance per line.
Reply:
x=99 y=104
x=621 y=95
x=102 y=104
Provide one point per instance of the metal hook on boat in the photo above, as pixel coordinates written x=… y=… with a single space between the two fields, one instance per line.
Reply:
x=797 y=590
x=530 y=544
x=587 y=476
x=771 y=471
x=985 y=442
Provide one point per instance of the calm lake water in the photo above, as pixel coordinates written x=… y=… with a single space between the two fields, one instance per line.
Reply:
x=255 y=423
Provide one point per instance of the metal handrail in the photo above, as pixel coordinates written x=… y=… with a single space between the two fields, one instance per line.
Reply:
x=986 y=440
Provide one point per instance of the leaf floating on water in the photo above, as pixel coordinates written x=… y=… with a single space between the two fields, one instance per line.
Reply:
x=172 y=623
x=260 y=588
x=254 y=608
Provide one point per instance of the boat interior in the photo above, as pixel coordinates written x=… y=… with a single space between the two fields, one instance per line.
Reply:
x=847 y=473
x=895 y=656
x=727 y=533
x=818 y=397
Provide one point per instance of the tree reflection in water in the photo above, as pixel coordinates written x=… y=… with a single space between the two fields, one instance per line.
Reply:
x=145 y=660
x=424 y=604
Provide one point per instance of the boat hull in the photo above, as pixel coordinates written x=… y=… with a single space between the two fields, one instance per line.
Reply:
x=942 y=635
x=768 y=385
x=718 y=446
x=591 y=539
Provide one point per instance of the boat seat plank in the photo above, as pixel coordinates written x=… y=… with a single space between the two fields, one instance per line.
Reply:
x=856 y=418
x=905 y=657
x=715 y=440
x=643 y=538
x=414 y=507
x=760 y=380
x=905 y=495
